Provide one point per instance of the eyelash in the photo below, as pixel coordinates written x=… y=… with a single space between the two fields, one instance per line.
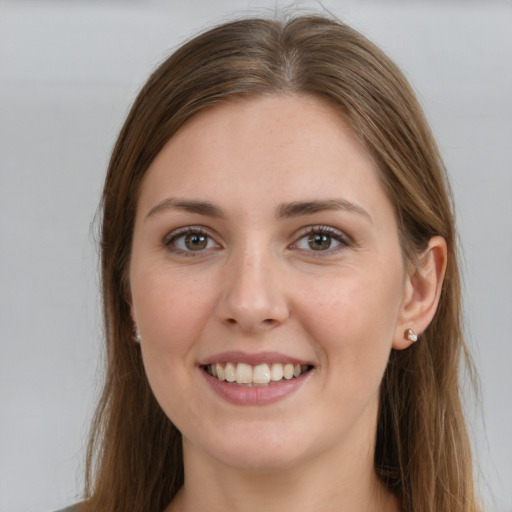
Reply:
x=333 y=234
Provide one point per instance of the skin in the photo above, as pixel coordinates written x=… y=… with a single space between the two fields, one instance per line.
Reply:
x=258 y=285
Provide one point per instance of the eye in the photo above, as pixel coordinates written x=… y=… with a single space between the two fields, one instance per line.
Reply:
x=321 y=239
x=190 y=240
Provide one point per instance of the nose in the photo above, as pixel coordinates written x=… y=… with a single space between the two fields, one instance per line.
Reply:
x=253 y=298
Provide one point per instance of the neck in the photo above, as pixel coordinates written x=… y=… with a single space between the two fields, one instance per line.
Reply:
x=334 y=483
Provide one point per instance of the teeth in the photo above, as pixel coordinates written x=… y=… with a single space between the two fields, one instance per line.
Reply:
x=221 y=374
x=277 y=372
x=243 y=373
x=261 y=374
x=288 y=371
x=230 y=372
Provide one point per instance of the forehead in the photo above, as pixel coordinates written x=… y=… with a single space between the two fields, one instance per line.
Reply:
x=264 y=149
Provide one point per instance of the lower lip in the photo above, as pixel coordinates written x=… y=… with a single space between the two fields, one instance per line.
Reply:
x=256 y=395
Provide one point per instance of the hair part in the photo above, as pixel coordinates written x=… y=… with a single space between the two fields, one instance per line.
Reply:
x=423 y=454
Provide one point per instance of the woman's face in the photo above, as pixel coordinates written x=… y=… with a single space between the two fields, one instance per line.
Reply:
x=264 y=245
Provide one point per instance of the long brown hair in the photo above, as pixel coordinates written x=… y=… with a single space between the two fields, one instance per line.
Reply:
x=423 y=453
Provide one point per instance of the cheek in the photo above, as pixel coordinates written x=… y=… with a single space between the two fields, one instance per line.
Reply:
x=171 y=313
x=170 y=308
x=352 y=320
x=170 y=319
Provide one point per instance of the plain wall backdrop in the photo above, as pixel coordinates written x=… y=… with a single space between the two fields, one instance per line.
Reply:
x=69 y=71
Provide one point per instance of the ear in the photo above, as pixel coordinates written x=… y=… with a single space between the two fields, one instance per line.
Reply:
x=135 y=330
x=422 y=291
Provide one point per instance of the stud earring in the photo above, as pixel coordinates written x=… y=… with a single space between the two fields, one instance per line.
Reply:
x=411 y=335
x=135 y=335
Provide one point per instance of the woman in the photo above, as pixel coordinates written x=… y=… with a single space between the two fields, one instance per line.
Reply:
x=281 y=290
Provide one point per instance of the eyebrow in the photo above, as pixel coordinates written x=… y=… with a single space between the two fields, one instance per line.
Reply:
x=296 y=209
x=285 y=210
x=187 y=205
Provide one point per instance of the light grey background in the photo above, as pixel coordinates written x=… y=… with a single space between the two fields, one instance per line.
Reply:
x=68 y=73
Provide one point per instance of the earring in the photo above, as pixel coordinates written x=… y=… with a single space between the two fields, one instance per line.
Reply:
x=411 y=335
x=135 y=335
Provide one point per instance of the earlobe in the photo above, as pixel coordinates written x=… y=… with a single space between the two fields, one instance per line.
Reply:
x=411 y=335
x=135 y=331
x=422 y=292
x=135 y=335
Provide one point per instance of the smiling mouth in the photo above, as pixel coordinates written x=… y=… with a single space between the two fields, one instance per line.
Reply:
x=260 y=375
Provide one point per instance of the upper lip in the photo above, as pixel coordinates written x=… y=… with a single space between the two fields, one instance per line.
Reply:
x=252 y=359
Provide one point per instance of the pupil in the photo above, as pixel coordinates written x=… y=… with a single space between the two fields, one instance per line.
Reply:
x=195 y=242
x=319 y=242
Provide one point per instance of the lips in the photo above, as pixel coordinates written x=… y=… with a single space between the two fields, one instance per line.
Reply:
x=255 y=379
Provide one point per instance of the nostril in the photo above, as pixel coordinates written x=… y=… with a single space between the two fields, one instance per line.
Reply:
x=268 y=322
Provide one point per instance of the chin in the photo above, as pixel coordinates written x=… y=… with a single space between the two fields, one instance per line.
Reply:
x=259 y=448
